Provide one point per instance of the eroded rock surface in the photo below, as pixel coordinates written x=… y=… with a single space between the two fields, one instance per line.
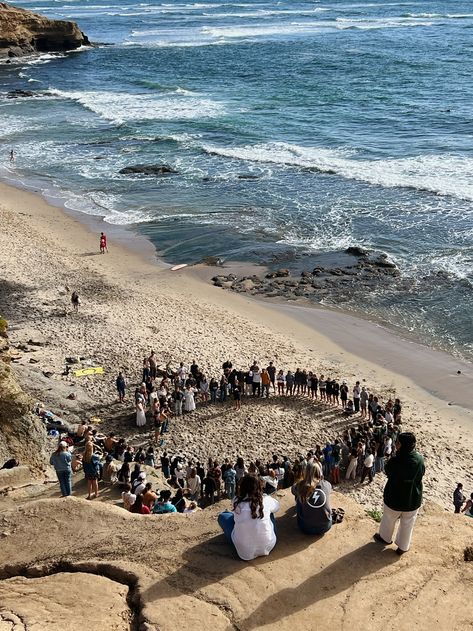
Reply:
x=63 y=601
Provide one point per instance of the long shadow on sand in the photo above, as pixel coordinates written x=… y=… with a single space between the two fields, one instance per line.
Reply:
x=331 y=580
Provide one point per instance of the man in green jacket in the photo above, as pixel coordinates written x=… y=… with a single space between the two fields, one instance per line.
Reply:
x=402 y=493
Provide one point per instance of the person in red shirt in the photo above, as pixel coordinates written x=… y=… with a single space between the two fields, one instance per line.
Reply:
x=139 y=507
x=103 y=243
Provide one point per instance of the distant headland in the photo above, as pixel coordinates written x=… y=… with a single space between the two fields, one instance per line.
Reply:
x=23 y=32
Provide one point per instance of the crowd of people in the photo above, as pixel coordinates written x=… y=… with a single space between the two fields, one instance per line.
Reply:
x=369 y=445
x=167 y=393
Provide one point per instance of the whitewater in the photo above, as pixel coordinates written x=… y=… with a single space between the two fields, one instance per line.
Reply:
x=296 y=128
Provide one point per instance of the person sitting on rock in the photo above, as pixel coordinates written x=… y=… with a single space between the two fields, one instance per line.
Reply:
x=164 y=504
x=250 y=525
x=138 y=506
x=312 y=493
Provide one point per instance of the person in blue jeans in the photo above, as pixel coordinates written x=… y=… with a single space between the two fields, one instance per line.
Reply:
x=250 y=526
x=229 y=478
x=61 y=461
x=312 y=493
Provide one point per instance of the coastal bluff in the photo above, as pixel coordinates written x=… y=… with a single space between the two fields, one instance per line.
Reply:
x=23 y=32
x=150 y=572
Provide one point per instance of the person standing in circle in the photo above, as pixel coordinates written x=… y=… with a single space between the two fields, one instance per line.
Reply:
x=402 y=493
x=103 y=243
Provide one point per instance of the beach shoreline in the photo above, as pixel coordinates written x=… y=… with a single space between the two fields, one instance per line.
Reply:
x=130 y=305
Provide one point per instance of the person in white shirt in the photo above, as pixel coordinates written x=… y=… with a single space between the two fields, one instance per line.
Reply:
x=368 y=467
x=250 y=526
x=139 y=484
x=182 y=373
x=128 y=497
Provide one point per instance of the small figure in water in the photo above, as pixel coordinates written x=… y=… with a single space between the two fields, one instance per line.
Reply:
x=12 y=155
x=103 y=243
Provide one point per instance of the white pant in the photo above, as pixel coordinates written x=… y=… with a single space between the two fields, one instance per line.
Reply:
x=351 y=470
x=406 y=526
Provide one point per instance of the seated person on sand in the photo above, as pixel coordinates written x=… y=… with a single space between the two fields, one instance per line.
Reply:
x=468 y=510
x=149 y=496
x=164 y=505
x=138 y=507
x=76 y=464
x=270 y=482
x=312 y=493
x=349 y=409
x=109 y=473
x=128 y=497
x=249 y=527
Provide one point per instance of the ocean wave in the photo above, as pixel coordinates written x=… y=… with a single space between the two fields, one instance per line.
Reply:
x=45 y=58
x=443 y=174
x=120 y=107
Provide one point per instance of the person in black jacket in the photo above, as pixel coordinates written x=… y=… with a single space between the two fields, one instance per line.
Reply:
x=402 y=493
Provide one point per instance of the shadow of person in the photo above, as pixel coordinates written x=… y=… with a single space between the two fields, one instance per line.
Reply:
x=189 y=577
x=330 y=581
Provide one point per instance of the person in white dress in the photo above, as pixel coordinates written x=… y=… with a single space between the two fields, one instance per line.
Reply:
x=140 y=414
x=189 y=401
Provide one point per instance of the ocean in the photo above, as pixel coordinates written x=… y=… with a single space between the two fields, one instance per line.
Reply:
x=295 y=128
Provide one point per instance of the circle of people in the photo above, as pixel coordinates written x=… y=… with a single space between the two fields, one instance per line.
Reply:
x=372 y=446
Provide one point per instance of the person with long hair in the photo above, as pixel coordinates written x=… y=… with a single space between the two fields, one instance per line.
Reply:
x=250 y=525
x=139 y=507
x=91 y=464
x=61 y=461
x=312 y=493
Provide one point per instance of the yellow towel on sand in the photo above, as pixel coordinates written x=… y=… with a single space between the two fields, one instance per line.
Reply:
x=82 y=372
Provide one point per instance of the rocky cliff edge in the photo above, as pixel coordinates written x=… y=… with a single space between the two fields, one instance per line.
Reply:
x=23 y=32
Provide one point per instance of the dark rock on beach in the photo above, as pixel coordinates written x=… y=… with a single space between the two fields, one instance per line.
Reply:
x=23 y=32
x=148 y=169
x=354 y=270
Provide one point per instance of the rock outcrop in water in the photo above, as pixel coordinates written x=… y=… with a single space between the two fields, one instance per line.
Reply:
x=23 y=32
x=362 y=271
x=148 y=169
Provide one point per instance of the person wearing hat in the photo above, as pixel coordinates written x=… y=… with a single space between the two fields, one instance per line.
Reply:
x=402 y=493
x=61 y=461
x=139 y=484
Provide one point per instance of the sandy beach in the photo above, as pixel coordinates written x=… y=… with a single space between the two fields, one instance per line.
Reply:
x=131 y=305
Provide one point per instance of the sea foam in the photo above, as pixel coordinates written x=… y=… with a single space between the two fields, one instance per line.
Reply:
x=120 y=107
x=442 y=174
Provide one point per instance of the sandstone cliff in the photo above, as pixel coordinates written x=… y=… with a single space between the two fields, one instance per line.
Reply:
x=180 y=572
x=23 y=32
x=22 y=435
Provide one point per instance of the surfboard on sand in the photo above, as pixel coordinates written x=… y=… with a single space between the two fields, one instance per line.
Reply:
x=176 y=267
x=83 y=372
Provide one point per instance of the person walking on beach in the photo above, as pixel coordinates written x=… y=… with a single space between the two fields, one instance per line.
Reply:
x=12 y=155
x=103 y=243
x=75 y=301
x=121 y=385
x=402 y=493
